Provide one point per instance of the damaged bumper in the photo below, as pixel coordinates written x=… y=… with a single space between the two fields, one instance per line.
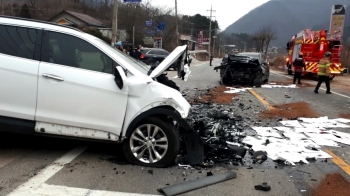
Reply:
x=241 y=70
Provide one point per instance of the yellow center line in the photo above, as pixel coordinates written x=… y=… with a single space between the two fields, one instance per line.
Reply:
x=337 y=160
x=262 y=100
x=340 y=162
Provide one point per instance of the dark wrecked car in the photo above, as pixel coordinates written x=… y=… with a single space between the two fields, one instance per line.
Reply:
x=243 y=68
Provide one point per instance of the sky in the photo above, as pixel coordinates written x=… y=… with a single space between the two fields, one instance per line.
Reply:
x=227 y=11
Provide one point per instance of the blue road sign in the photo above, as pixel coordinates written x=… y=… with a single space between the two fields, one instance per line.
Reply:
x=149 y=23
x=161 y=26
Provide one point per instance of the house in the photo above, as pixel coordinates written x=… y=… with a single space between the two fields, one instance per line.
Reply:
x=187 y=40
x=77 y=20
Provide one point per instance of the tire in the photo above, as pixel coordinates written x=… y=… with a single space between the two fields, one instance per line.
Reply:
x=165 y=130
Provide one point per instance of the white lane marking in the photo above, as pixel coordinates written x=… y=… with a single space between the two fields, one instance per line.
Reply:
x=9 y=156
x=54 y=190
x=36 y=186
x=276 y=73
x=35 y=182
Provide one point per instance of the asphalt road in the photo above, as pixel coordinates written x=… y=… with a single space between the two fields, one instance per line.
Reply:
x=31 y=165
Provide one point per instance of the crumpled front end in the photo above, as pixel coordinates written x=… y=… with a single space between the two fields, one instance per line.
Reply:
x=241 y=70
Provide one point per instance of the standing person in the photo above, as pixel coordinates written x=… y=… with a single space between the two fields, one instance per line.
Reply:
x=138 y=52
x=323 y=72
x=299 y=65
x=119 y=46
x=211 y=57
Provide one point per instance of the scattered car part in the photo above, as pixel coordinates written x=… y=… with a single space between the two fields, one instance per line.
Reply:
x=184 y=187
x=263 y=187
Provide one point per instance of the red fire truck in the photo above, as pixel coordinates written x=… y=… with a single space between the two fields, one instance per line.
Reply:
x=313 y=45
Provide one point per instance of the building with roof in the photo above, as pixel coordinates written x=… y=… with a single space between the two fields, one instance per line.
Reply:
x=77 y=20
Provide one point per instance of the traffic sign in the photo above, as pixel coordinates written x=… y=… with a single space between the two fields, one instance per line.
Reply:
x=158 y=42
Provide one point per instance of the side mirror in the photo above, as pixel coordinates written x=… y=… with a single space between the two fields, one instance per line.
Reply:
x=119 y=77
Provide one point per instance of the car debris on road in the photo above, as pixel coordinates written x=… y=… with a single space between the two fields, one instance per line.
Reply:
x=228 y=137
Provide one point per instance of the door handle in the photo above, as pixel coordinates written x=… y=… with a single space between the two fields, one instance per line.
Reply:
x=52 y=77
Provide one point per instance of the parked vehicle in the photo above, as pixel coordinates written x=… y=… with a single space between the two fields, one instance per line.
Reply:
x=58 y=80
x=247 y=67
x=154 y=56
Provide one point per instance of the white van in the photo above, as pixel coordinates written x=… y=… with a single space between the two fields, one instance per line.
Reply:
x=61 y=81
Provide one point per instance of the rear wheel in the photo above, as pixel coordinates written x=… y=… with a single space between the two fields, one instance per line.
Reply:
x=153 y=143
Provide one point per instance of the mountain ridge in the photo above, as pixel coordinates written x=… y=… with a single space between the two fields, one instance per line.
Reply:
x=287 y=17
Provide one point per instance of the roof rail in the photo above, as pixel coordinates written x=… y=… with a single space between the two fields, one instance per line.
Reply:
x=40 y=21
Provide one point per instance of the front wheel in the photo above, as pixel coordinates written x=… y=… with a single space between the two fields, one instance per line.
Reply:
x=153 y=143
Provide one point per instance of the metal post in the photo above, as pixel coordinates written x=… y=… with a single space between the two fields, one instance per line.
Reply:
x=211 y=12
x=209 y=32
x=115 y=21
x=191 y=29
x=214 y=47
x=2 y=8
x=177 y=24
x=133 y=36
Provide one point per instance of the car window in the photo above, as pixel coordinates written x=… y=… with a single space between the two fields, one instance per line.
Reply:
x=75 y=52
x=154 y=52
x=18 y=41
x=163 y=52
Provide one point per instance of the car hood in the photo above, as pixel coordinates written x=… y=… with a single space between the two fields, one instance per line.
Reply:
x=169 y=60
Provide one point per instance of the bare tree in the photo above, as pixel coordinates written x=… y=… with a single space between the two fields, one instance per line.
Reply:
x=262 y=38
x=270 y=35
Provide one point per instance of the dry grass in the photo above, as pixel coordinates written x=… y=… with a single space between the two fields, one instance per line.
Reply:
x=290 y=111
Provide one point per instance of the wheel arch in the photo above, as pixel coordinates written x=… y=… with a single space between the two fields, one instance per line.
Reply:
x=160 y=112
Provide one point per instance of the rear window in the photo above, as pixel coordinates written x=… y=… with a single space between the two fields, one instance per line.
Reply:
x=156 y=52
x=256 y=56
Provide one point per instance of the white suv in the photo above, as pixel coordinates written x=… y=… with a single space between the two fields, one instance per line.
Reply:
x=58 y=80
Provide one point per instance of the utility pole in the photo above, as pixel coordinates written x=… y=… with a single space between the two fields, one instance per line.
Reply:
x=2 y=8
x=115 y=22
x=177 y=25
x=133 y=36
x=211 y=15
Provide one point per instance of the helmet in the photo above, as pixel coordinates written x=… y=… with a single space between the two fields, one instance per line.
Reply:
x=327 y=54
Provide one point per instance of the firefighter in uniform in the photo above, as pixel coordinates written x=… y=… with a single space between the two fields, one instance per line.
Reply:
x=299 y=65
x=323 y=72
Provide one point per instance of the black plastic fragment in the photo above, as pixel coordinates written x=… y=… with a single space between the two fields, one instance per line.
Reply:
x=262 y=187
x=194 y=147
x=184 y=187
